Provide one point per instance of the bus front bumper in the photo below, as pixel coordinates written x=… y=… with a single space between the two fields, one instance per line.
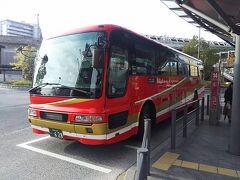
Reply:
x=94 y=134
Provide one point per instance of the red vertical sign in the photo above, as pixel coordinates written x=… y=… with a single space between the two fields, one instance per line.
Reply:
x=214 y=90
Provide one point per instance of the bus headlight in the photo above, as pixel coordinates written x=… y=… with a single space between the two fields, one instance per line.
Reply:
x=32 y=112
x=88 y=119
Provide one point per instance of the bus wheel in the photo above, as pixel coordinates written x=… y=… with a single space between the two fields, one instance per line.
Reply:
x=145 y=114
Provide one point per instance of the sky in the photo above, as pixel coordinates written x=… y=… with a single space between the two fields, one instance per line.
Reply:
x=150 y=17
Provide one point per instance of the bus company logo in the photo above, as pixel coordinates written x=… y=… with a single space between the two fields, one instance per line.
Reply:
x=167 y=81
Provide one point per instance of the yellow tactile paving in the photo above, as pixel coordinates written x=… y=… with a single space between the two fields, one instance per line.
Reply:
x=165 y=161
x=161 y=166
x=207 y=168
x=227 y=172
x=238 y=172
x=169 y=157
x=190 y=165
x=177 y=163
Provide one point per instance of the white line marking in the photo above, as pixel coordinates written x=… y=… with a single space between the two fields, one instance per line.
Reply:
x=58 y=156
x=35 y=140
x=131 y=147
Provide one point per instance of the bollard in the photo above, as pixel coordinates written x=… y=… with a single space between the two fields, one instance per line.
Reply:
x=146 y=141
x=141 y=173
x=4 y=75
x=185 y=121
x=173 y=129
x=202 y=110
x=208 y=101
x=197 y=113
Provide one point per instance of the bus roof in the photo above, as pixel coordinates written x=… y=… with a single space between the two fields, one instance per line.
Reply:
x=110 y=27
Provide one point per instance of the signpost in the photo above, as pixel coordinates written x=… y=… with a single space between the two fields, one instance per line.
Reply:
x=214 y=99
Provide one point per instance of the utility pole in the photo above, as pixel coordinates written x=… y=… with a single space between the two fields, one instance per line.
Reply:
x=199 y=34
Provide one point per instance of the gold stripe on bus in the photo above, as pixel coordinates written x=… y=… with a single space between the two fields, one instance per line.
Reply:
x=178 y=99
x=65 y=102
x=162 y=92
x=52 y=124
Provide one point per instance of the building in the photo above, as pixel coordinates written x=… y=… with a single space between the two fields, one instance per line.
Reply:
x=14 y=28
x=13 y=35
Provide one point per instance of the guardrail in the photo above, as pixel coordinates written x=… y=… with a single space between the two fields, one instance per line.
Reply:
x=4 y=68
x=186 y=120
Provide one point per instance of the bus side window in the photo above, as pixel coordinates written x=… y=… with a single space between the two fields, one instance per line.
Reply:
x=165 y=69
x=193 y=71
x=173 y=65
x=180 y=69
x=144 y=62
x=161 y=62
x=169 y=68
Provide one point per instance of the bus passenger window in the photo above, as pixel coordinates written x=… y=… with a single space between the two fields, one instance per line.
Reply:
x=168 y=69
x=173 y=68
x=144 y=61
x=180 y=69
x=165 y=70
x=193 y=70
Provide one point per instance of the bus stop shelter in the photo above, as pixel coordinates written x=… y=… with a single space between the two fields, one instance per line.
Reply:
x=222 y=18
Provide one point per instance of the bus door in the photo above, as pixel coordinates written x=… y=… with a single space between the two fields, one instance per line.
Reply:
x=118 y=93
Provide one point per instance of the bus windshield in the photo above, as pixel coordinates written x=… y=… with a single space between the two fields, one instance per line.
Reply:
x=64 y=67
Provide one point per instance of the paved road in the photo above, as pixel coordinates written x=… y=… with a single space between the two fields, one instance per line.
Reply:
x=50 y=158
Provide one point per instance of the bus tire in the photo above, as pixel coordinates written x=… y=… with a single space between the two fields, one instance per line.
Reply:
x=146 y=113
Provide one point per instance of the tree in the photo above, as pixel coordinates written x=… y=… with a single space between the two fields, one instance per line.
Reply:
x=207 y=55
x=25 y=61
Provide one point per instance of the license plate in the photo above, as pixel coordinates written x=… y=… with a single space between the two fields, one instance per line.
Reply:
x=57 y=133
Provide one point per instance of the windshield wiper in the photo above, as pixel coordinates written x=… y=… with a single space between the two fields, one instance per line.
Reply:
x=41 y=85
x=75 y=89
x=61 y=86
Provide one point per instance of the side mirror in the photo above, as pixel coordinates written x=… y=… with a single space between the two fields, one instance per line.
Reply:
x=45 y=59
x=100 y=41
x=97 y=58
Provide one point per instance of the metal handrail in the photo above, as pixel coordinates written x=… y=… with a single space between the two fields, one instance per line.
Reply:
x=143 y=153
x=4 y=69
x=184 y=119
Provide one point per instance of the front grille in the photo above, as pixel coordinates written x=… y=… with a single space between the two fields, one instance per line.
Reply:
x=54 y=116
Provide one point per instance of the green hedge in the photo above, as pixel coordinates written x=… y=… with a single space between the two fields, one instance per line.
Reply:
x=20 y=82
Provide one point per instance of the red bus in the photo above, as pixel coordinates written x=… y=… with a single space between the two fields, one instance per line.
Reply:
x=95 y=85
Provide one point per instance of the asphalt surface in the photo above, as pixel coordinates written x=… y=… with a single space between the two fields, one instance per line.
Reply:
x=50 y=158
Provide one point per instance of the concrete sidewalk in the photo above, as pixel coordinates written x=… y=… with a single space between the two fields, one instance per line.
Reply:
x=202 y=155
